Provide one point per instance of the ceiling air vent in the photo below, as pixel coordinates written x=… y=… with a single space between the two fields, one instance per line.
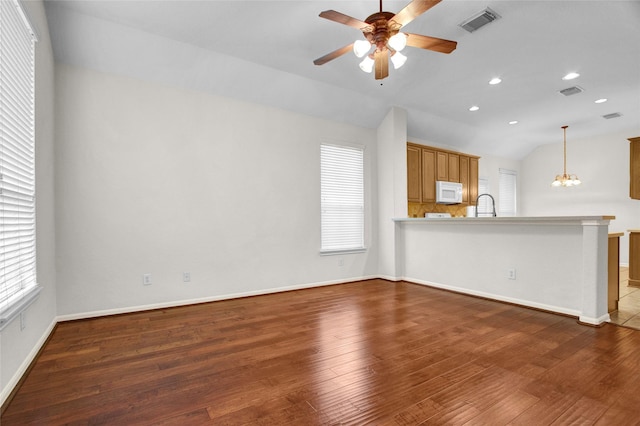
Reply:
x=572 y=90
x=479 y=20
x=612 y=115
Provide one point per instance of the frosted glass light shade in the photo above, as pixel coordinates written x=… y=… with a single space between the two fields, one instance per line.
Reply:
x=398 y=60
x=398 y=42
x=566 y=180
x=361 y=48
x=367 y=64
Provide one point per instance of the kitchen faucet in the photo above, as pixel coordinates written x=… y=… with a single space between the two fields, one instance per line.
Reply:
x=493 y=203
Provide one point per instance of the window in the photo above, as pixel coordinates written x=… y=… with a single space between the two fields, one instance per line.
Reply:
x=17 y=169
x=507 y=200
x=342 y=198
x=484 y=203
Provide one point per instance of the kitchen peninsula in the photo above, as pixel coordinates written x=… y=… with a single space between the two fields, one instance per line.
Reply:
x=558 y=264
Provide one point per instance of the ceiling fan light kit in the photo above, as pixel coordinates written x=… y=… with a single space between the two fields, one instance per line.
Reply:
x=398 y=59
x=398 y=42
x=382 y=33
x=361 y=48
x=367 y=64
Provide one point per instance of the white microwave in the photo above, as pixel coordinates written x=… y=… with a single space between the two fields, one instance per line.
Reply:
x=448 y=192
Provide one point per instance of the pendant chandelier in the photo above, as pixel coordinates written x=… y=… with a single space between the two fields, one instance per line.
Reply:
x=565 y=179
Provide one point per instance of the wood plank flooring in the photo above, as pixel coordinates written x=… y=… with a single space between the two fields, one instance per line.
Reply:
x=370 y=352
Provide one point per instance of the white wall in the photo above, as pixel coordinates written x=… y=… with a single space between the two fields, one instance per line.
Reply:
x=602 y=164
x=161 y=180
x=19 y=347
x=489 y=168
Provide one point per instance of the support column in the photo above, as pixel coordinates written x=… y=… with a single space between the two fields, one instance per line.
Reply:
x=392 y=188
x=594 y=272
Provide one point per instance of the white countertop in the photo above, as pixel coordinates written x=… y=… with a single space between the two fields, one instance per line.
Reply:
x=518 y=220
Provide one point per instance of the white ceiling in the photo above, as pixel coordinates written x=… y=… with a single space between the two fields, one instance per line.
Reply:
x=262 y=51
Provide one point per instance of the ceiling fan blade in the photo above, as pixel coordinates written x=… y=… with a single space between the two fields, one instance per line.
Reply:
x=333 y=55
x=341 y=18
x=431 y=43
x=381 y=64
x=413 y=10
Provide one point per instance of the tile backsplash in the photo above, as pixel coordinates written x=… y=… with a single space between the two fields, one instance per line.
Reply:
x=419 y=209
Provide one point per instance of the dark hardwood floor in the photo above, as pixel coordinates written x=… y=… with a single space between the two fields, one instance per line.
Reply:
x=368 y=352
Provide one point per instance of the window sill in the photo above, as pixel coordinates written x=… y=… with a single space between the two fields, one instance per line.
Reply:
x=9 y=313
x=342 y=251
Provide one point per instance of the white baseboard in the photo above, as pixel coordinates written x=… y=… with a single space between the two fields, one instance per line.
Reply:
x=389 y=278
x=130 y=309
x=525 y=303
x=17 y=376
x=595 y=321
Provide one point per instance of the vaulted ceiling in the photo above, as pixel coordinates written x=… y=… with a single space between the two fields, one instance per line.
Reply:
x=263 y=51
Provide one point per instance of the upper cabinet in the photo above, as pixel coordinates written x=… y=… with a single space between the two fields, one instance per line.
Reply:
x=634 y=178
x=442 y=166
x=473 y=179
x=464 y=177
x=428 y=173
x=454 y=167
x=447 y=166
x=414 y=177
x=426 y=165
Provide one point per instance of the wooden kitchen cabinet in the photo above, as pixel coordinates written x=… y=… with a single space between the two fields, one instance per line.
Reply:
x=634 y=178
x=447 y=166
x=634 y=258
x=426 y=165
x=454 y=167
x=414 y=174
x=428 y=176
x=473 y=179
x=421 y=174
x=464 y=177
x=442 y=166
x=613 y=271
x=469 y=178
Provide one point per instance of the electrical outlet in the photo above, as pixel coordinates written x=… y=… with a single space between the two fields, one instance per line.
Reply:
x=186 y=277
x=340 y=262
x=23 y=320
x=511 y=274
x=146 y=279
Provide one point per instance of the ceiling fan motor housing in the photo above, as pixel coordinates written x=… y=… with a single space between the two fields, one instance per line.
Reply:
x=381 y=29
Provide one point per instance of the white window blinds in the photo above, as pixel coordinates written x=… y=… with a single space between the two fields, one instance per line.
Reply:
x=484 y=207
x=17 y=171
x=342 y=198
x=507 y=200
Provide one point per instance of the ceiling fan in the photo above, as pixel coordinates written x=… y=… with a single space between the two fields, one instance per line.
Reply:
x=382 y=31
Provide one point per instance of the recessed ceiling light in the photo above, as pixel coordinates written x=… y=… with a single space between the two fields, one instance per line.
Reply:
x=474 y=108
x=601 y=101
x=513 y=122
x=571 y=76
x=495 y=80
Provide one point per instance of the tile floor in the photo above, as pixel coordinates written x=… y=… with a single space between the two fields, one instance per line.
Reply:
x=628 y=313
